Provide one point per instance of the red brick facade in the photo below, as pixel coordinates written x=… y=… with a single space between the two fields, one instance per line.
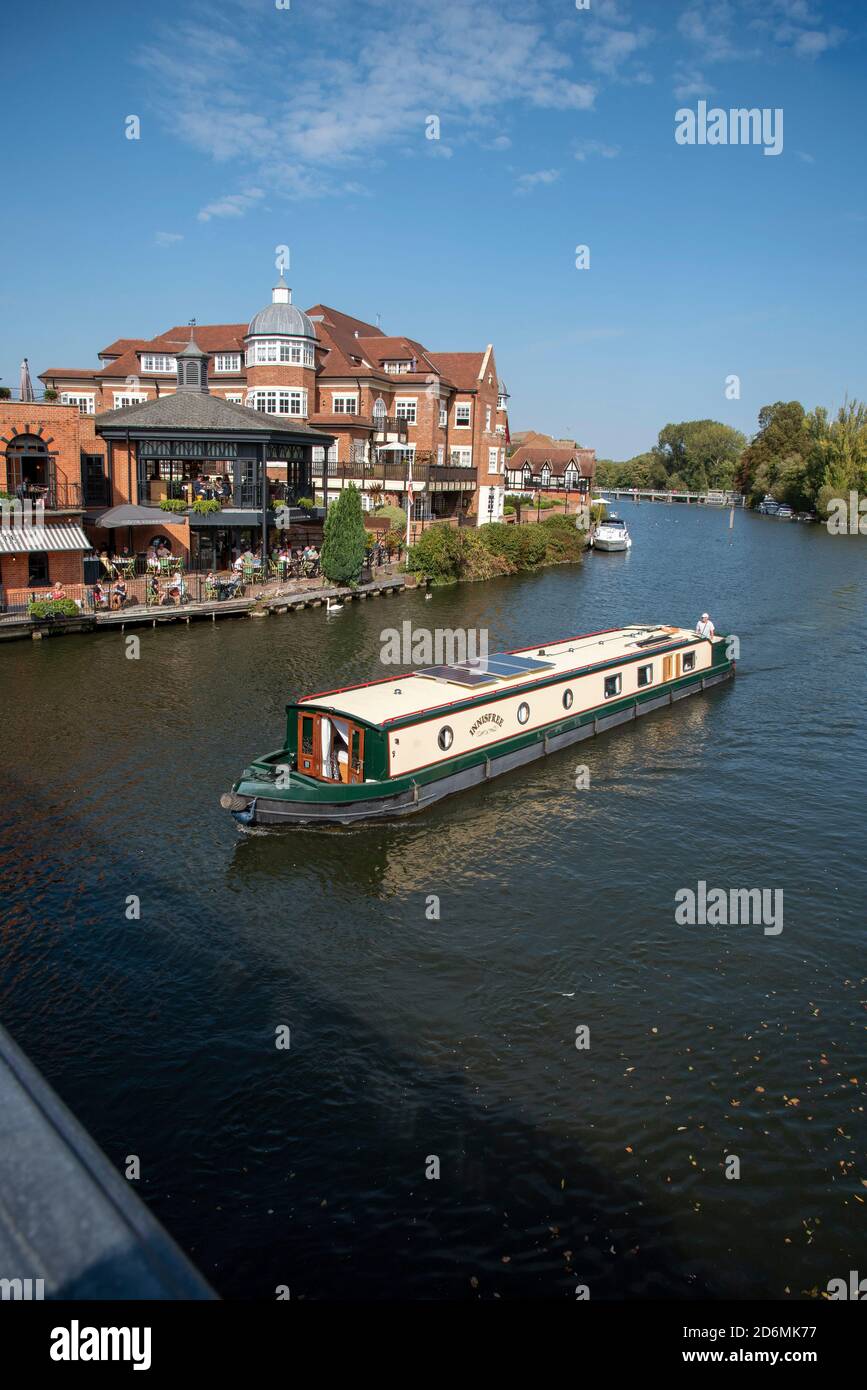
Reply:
x=375 y=379
x=43 y=452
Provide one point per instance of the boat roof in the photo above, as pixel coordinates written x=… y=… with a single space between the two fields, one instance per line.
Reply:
x=393 y=698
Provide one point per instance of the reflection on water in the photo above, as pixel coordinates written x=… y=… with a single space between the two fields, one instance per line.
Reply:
x=413 y=1036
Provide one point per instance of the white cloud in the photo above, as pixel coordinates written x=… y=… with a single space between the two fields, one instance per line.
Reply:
x=298 y=113
x=590 y=147
x=232 y=205
x=167 y=238
x=525 y=183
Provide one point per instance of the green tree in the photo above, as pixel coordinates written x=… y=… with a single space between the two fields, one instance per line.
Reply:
x=782 y=437
x=837 y=458
x=702 y=453
x=343 y=548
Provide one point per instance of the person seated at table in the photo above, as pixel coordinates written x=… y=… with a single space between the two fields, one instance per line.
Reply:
x=177 y=583
x=200 y=488
x=152 y=589
x=106 y=563
x=97 y=595
x=57 y=591
x=153 y=560
x=163 y=551
x=118 y=594
x=238 y=564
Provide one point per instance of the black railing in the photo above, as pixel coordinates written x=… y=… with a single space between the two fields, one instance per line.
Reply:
x=52 y=488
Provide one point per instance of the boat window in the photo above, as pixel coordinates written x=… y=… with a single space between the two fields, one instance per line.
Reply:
x=445 y=737
x=612 y=685
x=689 y=661
x=568 y=697
x=307 y=734
x=523 y=713
x=645 y=675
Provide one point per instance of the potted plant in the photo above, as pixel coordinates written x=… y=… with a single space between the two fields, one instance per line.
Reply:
x=50 y=394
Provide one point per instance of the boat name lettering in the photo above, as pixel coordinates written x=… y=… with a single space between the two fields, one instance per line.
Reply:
x=484 y=719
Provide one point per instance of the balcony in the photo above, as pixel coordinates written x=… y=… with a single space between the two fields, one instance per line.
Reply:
x=448 y=477
x=43 y=484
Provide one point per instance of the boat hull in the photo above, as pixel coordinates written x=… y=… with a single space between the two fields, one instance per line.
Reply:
x=610 y=545
x=265 y=810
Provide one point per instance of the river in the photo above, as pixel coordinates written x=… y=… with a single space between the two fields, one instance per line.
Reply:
x=414 y=1040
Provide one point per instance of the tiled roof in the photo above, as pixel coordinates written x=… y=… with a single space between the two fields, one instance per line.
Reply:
x=536 y=455
x=344 y=323
x=461 y=367
x=84 y=372
x=120 y=345
x=197 y=410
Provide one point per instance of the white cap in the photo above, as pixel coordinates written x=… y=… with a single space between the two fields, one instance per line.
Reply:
x=704 y=615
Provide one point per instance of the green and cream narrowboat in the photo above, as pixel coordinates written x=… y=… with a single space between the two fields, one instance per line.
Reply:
x=392 y=746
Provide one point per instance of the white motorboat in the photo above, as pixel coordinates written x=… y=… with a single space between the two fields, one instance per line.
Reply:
x=611 y=534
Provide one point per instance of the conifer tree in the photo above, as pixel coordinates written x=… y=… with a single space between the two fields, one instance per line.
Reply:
x=343 y=549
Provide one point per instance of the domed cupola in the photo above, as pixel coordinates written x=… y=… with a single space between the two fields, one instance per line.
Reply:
x=281 y=318
x=281 y=357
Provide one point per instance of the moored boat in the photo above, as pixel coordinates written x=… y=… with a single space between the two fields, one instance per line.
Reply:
x=392 y=746
x=612 y=534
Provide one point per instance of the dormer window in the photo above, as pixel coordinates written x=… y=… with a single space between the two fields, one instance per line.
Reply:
x=158 y=362
x=227 y=362
x=396 y=366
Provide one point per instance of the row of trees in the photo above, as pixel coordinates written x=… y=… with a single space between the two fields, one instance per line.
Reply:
x=805 y=458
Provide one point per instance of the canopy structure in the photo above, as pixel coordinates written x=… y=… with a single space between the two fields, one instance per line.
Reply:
x=129 y=515
x=17 y=540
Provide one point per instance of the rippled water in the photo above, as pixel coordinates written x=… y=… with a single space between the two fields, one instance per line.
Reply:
x=456 y=1038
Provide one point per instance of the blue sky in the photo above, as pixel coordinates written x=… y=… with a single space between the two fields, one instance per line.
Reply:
x=307 y=126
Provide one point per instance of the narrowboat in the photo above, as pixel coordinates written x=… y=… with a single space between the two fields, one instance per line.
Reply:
x=612 y=534
x=391 y=747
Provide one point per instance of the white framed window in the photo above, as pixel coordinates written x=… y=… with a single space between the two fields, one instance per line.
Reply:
x=379 y=408
x=501 y=429
x=503 y=460
x=278 y=400
x=487 y=419
x=158 y=362
x=461 y=457
x=396 y=368
x=236 y=397
x=344 y=405
x=83 y=400
x=122 y=398
x=613 y=685
x=444 y=416
x=493 y=459
x=441 y=454
x=463 y=416
x=297 y=352
x=227 y=362
x=406 y=408
x=501 y=401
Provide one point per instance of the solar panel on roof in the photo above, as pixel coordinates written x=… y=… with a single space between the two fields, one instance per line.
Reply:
x=458 y=675
x=505 y=665
x=501 y=666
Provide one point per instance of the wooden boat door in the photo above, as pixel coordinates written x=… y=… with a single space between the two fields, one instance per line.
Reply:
x=356 y=753
x=309 y=745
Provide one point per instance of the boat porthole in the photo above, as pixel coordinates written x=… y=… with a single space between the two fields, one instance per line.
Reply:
x=568 y=697
x=523 y=713
x=445 y=738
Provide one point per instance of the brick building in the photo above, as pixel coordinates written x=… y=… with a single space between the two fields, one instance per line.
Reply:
x=399 y=414
x=48 y=453
x=551 y=467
